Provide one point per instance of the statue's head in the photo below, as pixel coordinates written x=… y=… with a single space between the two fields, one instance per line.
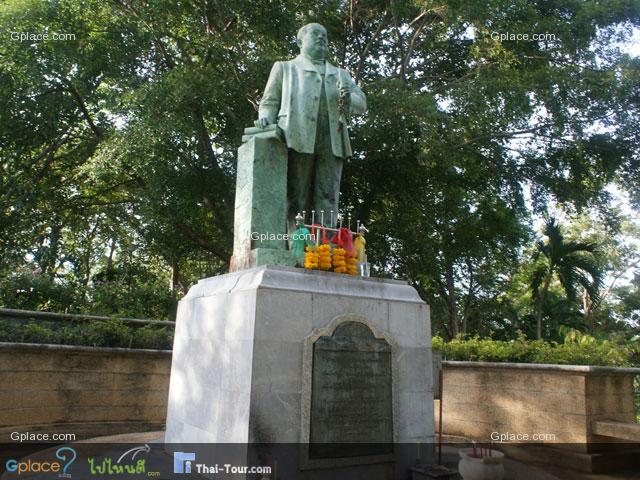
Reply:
x=312 y=40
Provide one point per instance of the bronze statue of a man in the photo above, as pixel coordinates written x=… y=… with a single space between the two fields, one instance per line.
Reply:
x=311 y=101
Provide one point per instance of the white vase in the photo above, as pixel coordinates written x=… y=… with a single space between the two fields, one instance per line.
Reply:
x=484 y=468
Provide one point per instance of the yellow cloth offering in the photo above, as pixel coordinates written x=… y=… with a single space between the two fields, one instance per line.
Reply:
x=360 y=244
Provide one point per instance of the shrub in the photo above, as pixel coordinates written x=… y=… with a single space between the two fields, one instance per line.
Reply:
x=577 y=349
x=8 y=332
x=152 y=337
x=33 y=291
x=102 y=333
x=114 y=333
x=34 y=332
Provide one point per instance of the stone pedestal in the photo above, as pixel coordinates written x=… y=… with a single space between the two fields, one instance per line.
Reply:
x=261 y=355
x=261 y=200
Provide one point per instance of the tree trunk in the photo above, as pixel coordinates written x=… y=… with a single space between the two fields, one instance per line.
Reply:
x=451 y=301
x=541 y=296
x=467 y=303
x=175 y=276
x=587 y=306
x=86 y=259
x=50 y=257
x=112 y=250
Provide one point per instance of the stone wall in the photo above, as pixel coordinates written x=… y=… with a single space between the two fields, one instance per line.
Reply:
x=103 y=391
x=556 y=406
x=82 y=390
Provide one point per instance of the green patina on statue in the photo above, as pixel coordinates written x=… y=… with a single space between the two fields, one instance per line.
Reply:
x=302 y=128
x=303 y=96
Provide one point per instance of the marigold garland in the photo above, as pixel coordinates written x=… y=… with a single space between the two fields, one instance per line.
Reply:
x=339 y=263
x=324 y=256
x=321 y=257
x=311 y=258
x=351 y=262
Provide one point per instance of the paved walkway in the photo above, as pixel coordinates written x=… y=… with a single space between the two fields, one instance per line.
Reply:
x=520 y=471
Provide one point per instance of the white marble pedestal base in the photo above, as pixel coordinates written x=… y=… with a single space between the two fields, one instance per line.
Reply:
x=243 y=350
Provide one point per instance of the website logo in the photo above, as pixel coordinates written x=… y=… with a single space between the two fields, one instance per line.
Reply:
x=66 y=454
x=124 y=465
x=182 y=462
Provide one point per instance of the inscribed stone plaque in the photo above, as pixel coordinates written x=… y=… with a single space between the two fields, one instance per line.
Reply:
x=351 y=394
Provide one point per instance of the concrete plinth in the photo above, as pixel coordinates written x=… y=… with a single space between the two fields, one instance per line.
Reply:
x=261 y=201
x=243 y=362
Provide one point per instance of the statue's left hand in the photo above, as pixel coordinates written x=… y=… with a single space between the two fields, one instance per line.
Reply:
x=345 y=93
x=261 y=122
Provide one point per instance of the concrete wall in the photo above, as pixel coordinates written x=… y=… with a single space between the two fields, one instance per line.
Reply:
x=82 y=390
x=480 y=398
x=104 y=391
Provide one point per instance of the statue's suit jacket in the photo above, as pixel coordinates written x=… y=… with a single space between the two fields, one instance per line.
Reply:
x=292 y=98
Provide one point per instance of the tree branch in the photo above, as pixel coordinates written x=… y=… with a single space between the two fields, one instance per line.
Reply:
x=201 y=242
x=407 y=55
x=83 y=110
x=593 y=304
x=467 y=303
x=167 y=58
x=503 y=134
x=365 y=52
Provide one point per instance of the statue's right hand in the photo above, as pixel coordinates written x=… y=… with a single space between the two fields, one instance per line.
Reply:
x=261 y=122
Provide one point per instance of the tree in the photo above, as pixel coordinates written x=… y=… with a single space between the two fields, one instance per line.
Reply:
x=130 y=132
x=615 y=233
x=573 y=263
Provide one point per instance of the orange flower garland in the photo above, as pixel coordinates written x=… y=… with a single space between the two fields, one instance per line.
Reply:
x=311 y=258
x=351 y=262
x=324 y=256
x=339 y=262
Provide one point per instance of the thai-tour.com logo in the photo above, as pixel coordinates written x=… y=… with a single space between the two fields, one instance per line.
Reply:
x=184 y=462
x=65 y=456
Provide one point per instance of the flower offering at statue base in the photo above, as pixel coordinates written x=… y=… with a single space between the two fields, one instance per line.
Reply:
x=324 y=256
x=338 y=260
x=301 y=238
x=352 y=267
x=344 y=253
x=311 y=257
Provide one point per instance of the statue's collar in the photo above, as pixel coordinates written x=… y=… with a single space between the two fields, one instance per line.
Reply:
x=306 y=64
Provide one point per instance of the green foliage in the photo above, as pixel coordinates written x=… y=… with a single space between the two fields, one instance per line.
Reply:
x=152 y=337
x=117 y=149
x=133 y=290
x=37 y=333
x=135 y=293
x=31 y=291
x=574 y=263
x=577 y=349
x=97 y=333
x=110 y=332
x=636 y=386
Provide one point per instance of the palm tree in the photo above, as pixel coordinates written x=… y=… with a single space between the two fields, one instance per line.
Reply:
x=573 y=263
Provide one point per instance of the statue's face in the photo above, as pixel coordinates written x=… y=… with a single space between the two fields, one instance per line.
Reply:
x=313 y=43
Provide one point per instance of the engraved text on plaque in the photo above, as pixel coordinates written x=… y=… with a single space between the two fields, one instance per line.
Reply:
x=351 y=394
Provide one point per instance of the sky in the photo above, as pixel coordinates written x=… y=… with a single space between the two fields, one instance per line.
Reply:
x=633 y=47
